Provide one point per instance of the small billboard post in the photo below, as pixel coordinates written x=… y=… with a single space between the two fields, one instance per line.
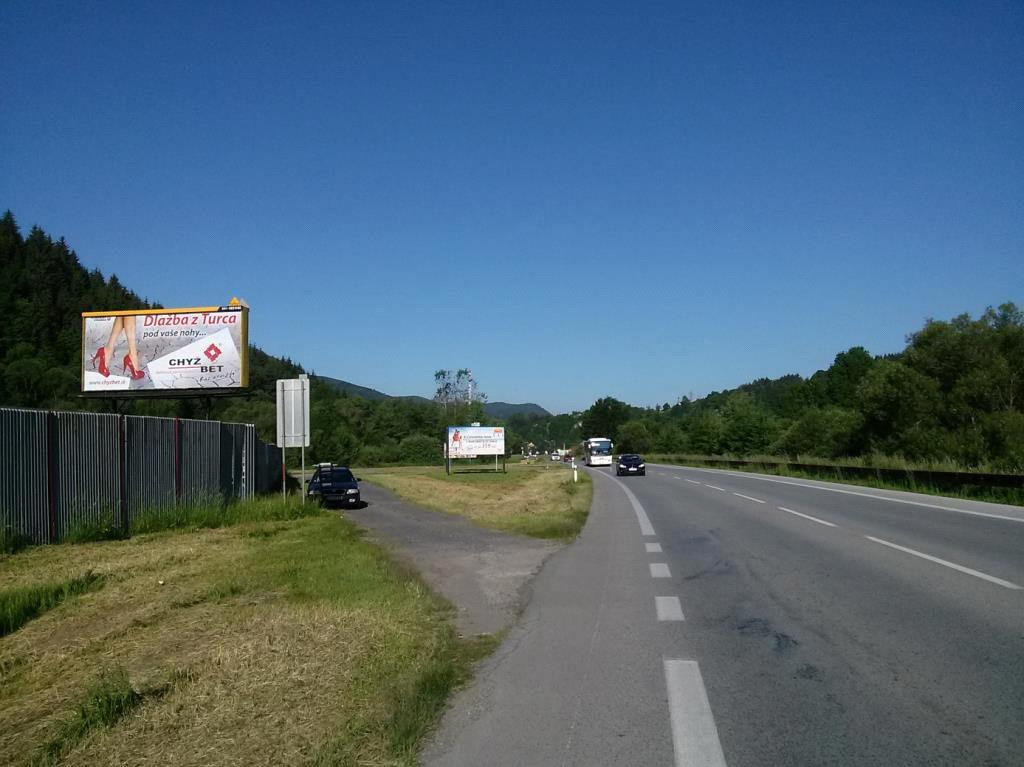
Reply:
x=473 y=441
x=293 y=421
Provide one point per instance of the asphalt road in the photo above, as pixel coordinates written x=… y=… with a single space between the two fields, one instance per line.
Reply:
x=709 y=618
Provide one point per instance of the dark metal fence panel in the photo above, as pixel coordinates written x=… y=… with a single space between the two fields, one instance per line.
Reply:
x=200 y=461
x=24 y=501
x=59 y=470
x=150 y=464
x=237 y=460
x=268 y=467
x=87 y=470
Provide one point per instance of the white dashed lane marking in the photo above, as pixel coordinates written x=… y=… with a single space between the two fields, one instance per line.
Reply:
x=694 y=733
x=755 y=500
x=668 y=608
x=653 y=548
x=807 y=516
x=952 y=565
x=659 y=570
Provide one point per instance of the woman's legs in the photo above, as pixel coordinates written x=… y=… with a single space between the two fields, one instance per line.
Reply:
x=115 y=331
x=133 y=342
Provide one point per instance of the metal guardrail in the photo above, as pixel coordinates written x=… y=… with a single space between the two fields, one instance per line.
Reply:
x=59 y=470
x=947 y=480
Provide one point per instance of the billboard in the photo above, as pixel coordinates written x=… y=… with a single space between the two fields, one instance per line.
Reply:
x=471 y=441
x=202 y=348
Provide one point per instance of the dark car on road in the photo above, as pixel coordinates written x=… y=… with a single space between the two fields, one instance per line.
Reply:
x=630 y=463
x=334 y=485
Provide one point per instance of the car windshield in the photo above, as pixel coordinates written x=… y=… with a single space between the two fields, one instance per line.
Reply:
x=342 y=475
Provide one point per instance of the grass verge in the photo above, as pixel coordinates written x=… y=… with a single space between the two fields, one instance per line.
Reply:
x=214 y=513
x=539 y=500
x=834 y=473
x=290 y=639
x=19 y=605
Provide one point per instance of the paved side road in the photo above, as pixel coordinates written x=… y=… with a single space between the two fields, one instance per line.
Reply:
x=580 y=680
x=484 y=573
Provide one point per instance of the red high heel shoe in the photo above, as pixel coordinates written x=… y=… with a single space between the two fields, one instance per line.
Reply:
x=129 y=369
x=101 y=355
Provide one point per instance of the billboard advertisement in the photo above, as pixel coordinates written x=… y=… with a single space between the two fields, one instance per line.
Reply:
x=471 y=441
x=203 y=348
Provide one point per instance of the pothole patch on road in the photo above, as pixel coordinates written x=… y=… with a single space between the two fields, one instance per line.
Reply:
x=759 y=627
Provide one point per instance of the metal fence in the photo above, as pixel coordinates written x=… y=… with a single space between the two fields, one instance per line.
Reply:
x=60 y=470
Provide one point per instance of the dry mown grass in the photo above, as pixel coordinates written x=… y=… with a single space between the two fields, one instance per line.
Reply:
x=271 y=643
x=538 y=500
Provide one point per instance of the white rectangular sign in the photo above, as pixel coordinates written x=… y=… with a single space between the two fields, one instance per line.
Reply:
x=293 y=412
x=471 y=441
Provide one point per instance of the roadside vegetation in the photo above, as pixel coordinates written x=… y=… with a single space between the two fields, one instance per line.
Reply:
x=954 y=396
x=539 y=500
x=832 y=471
x=278 y=636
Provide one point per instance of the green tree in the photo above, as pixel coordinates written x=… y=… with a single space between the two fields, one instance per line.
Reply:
x=900 y=407
x=604 y=417
x=634 y=437
x=747 y=427
x=829 y=432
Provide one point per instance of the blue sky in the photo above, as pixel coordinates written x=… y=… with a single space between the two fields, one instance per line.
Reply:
x=642 y=200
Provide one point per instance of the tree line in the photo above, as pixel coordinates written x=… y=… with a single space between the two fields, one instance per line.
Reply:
x=44 y=291
x=955 y=393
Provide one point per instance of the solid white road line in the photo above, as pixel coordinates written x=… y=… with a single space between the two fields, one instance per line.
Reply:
x=936 y=560
x=755 y=500
x=659 y=570
x=694 y=734
x=807 y=516
x=867 y=495
x=693 y=481
x=668 y=609
x=641 y=516
x=714 y=487
x=653 y=548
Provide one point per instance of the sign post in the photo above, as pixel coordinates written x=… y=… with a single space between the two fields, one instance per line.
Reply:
x=293 y=419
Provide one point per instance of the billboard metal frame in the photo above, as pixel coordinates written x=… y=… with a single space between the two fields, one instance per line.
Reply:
x=239 y=391
x=448 y=457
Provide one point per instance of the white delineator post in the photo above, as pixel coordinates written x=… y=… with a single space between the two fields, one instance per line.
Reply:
x=575 y=478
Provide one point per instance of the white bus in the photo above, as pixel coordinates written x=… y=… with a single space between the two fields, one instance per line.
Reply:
x=597 y=451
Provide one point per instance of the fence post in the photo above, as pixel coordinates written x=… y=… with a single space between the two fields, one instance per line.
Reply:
x=51 y=473
x=177 y=461
x=122 y=470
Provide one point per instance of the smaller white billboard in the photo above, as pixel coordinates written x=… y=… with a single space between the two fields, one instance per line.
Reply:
x=293 y=412
x=471 y=441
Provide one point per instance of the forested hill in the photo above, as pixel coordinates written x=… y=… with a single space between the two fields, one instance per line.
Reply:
x=43 y=292
x=954 y=394
x=45 y=289
x=500 y=410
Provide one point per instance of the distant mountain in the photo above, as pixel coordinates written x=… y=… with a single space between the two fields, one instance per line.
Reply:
x=507 y=409
x=493 y=409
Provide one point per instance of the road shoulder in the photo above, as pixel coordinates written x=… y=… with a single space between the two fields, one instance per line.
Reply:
x=484 y=573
